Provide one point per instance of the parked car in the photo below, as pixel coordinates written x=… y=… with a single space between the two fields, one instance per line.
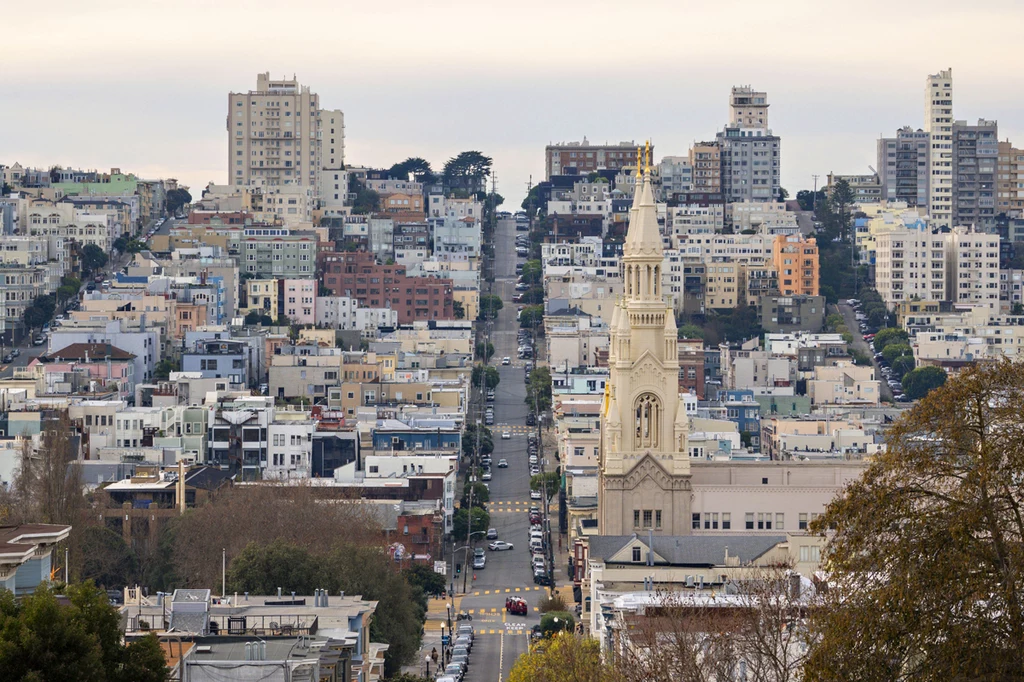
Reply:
x=8 y=358
x=486 y=475
x=535 y=495
x=479 y=561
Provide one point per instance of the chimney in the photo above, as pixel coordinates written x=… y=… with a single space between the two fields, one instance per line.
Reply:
x=181 y=486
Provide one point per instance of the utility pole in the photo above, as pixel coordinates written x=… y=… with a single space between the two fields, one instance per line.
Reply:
x=814 y=197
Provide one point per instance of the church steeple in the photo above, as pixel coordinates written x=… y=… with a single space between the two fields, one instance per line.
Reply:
x=644 y=423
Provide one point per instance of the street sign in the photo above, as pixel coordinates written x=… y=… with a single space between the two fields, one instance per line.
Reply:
x=440 y=567
x=444 y=640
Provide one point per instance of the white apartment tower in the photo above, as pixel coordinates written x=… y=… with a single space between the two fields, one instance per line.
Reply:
x=748 y=108
x=938 y=123
x=278 y=135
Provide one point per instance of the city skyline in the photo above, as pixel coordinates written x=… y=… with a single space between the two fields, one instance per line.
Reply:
x=165 y=118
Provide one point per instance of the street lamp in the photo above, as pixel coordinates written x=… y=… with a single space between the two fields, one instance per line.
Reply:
x=428 y=666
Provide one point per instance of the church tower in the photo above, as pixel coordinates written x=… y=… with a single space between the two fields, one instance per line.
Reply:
x=645 y=467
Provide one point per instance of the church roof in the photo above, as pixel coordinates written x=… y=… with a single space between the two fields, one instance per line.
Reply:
x=688 y=550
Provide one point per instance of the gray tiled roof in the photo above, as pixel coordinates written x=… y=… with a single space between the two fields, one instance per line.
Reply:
x=690 y=550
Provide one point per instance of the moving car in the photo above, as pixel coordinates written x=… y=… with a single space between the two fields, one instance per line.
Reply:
x=8 y=358
x=479 y=561
x=503 y=464
x=505 y=435
x=506 y=360
x=492 y=533
x=516 y=606
x=499 y=546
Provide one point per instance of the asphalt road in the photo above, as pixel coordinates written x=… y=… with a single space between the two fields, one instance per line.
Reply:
x=501 y=638
x=850 y=316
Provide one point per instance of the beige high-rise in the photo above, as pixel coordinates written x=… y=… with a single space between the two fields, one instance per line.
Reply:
x=938 y=123
x=644 y=474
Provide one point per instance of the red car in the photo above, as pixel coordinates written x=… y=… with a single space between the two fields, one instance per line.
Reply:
x=516 y=606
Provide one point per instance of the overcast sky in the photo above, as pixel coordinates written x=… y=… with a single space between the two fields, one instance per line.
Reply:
x=142 y=85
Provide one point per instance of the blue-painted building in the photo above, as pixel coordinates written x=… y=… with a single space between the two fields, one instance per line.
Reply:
x=440 y=436
x=25 y=555
x=743 y=410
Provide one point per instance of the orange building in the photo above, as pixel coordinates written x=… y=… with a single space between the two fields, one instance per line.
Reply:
x=796 y=262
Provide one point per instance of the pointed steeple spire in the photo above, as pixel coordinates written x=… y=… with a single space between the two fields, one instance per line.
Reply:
x=644 y=236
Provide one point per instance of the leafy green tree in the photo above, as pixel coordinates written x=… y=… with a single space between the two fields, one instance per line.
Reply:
x=177 y=199
x=877 y=317
x=690 y=331
x=252 y=318
x=841 y=199
x=492 y=377
x=366 y=201
x=93 y=258
x=531 y=316
x=564 y=658
x=890 y=335
x=460 y=519
x=164 y=368
x=484 y=352
x=470 y=164
x=533 y=272
x=896 y=350
x=459 y=310
x=481 y=495
x=46 y=640
x=262 y=568
x=917 y=383
x=902 y=365
x=426 y=579
x=783 y=194
x=806 y=198
x=534 y=296
x=556 y=621
x=415 y=166
x=932 y=530
x=469 y=437
x=538 y=390
x=548 y=483
x=490 y=304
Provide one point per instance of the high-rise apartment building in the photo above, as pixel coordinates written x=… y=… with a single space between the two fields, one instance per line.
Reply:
x=796 y=262
x=938 y=123
x=975 y=161
x=1010 y=180
x=706 y=162
x=972 y=272
x=748 y=108
x=903 y=166
x=584 y=157
x=278 y=135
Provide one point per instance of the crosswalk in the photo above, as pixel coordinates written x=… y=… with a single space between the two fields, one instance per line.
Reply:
x=513 y=507
x=506 y=590
x=517 y=628
x=514 y=429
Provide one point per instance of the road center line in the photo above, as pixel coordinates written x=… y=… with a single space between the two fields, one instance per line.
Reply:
x=501 y=655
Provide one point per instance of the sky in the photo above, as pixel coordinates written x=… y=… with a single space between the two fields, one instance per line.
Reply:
x=142 y=85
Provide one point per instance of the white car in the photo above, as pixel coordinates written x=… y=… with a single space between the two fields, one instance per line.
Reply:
x=535 y=495
x=505 y=435
x=533 y=459
x=499 y=545
x=506 y=360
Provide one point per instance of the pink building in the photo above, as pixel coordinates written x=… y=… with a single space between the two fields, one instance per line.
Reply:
x=299 y=300
x=88 y=367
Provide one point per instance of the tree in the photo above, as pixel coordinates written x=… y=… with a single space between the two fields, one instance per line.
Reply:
x=895 y=350
x=93 y=258
x=164 y=368
x=469 y=437
x=549 y=482
x=108 y=560
x=48 y=483
x=470 y=164
x=43 y=639
x=933 y=531
x=459 y=310
x=533 y=272
x=490 y=304
x=484 y=352
x=366 y=201
x=890 y=335
x=538 y=390
x=429 y=581
x=492 y=377
x=177 y=199
x=917 y=383
x=531 y=316
x=481 y=521
x=481 y=495
x=807 y=199
x=690 y=331
x=262 y=568
x=556 y=621
x=877 y=317
x=553 y=602
x=564 y=658
x=783 y=194
x=840 y=200
x=252 y=318
x=758 y=624
x=902 y=365
x=415 y=166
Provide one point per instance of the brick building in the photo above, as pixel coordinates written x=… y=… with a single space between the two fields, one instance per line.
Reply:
x=358 y=275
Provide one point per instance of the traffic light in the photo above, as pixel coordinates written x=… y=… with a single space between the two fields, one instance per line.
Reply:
x=458 y=569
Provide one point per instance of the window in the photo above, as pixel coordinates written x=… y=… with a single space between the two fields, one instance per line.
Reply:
x=810 y=553
x=695 y=523
x=648 y=518
x=764 y=521
x=657 y=518
x=780 y=521
x=750 y=521
x=636 y=518
x=803 y=522
x=373 y=468
x=726 y=521
x=636 y=555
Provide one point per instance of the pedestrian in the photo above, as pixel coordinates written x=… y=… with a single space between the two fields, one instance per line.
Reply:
x=433 y=655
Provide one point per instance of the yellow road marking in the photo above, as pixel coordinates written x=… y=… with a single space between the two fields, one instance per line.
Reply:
x=507 y=589
x=517 y=589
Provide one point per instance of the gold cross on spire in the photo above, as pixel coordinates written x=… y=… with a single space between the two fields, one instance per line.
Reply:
x=639 y=161
x=647 y=157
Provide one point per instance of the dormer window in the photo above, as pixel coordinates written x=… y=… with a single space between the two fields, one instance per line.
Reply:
x=636 y=555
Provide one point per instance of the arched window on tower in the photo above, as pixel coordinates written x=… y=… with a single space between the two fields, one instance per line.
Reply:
x=648 y=421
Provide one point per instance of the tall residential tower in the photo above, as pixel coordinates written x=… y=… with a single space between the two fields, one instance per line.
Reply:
x=938 y=123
